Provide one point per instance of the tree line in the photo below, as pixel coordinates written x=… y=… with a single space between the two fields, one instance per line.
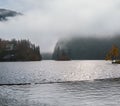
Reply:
x=19 y=50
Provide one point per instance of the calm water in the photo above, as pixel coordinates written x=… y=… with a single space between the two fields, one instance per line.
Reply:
x=60 y=83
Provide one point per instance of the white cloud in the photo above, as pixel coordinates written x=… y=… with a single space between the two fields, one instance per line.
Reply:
x=45 y=21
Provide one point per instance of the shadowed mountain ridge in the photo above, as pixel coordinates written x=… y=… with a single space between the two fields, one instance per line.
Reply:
x=5 y=14
x=81 y=48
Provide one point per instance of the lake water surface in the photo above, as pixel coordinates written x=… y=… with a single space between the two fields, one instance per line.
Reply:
x=57 y=83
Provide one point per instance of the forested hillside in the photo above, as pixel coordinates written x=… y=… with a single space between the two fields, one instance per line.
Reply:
x=85 y=48
x=19 y=50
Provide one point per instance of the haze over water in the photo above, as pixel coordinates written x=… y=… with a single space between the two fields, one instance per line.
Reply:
x=59 y=83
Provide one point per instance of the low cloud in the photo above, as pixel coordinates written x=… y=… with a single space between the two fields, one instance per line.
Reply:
x=46 y=21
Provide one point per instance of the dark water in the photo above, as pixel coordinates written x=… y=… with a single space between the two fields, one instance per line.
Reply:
x=96 y=93
x=60 y=83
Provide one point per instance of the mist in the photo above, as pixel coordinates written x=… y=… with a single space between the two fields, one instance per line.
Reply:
x=44 y=22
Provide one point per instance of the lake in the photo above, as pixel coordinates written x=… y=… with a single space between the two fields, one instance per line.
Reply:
x=59 y=83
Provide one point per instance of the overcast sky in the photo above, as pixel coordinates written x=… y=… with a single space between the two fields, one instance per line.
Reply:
x=46 y=21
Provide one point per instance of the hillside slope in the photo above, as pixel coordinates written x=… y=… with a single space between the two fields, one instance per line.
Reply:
x=5 y=14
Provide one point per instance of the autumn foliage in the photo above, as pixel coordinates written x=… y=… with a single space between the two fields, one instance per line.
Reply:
x=113 y=54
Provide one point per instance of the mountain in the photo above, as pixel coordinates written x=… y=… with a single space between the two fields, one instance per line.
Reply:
x=46 y=56
x=5 y=14
x=85 y=48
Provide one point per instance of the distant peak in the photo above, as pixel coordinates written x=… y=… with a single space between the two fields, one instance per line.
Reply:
x=5 y=13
